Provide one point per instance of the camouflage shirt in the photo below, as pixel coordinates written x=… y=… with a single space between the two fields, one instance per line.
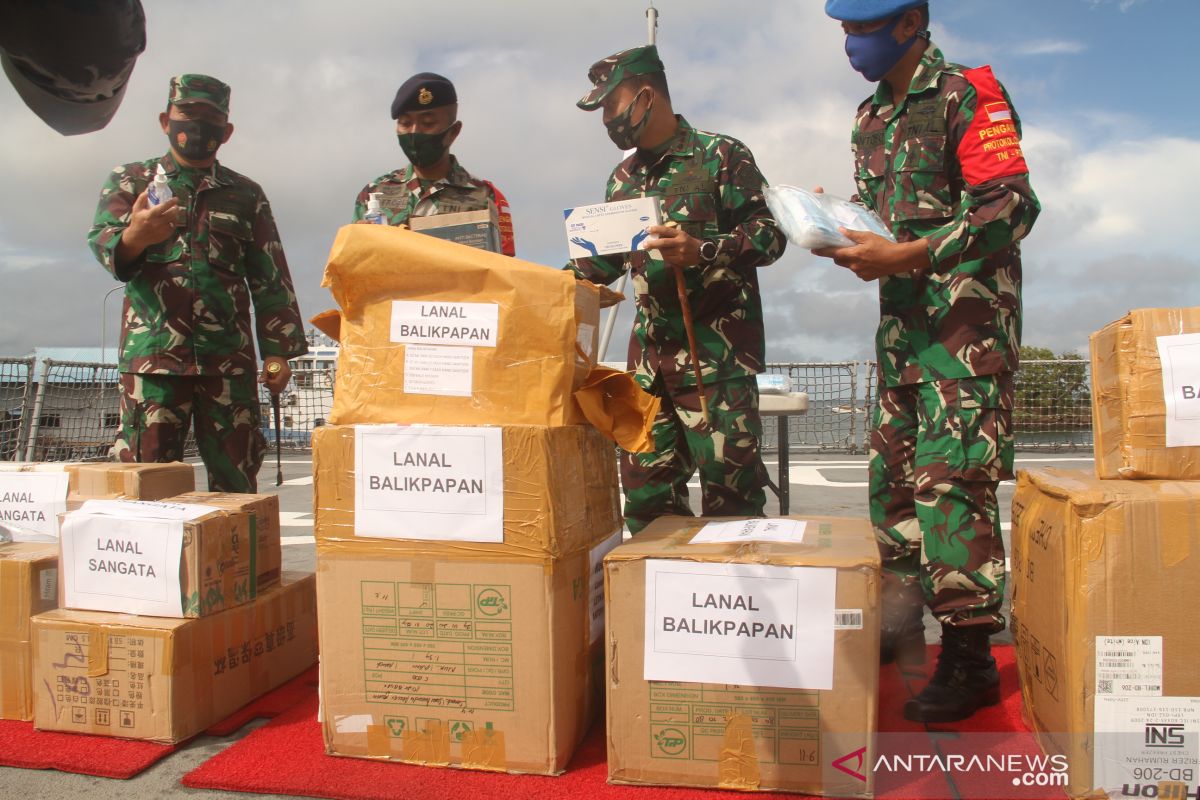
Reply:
x=946 y=166
x=188 y=299
x=711 y=186
x=406 y=195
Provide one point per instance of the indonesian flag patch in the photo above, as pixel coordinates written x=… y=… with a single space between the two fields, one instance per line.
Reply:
x=991 y=148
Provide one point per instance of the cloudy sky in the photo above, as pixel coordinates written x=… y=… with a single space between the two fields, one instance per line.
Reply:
x=1105 y=89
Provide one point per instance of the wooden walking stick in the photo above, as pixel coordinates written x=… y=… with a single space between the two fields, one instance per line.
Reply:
x=689 y=326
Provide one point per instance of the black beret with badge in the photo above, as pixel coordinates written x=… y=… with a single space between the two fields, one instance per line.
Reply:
x=421 y=92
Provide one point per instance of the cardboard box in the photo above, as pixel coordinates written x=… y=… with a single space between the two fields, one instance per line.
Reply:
x=558 y=494
x=119 y=562
x=165 y=680
x=610 y=228
x=447 y=659
x=1094 y=559
x=266 y=555
x=479 y=229
x=436 y=334
x=131 y=481
x=730 y=733
x=1131 y=419
x=28 y=586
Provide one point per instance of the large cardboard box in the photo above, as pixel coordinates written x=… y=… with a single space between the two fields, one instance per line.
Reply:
x=266 y=555
x=1107 y=649
x=130 y=481
x=558 y=493
x=437 y=334
x=435 y=657
x=121 y=562
x=1136 y=402
x=677 y=712
x=28 y=586
x=165 y=680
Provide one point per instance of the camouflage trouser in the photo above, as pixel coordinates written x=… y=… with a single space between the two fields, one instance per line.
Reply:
x=938 y=452
x=732 y=474
x=157 y=410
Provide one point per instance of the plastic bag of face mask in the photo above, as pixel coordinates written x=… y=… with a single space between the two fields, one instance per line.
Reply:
x=811 y=220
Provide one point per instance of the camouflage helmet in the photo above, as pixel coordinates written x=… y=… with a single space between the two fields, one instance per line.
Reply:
x=199 y=89
x=607 y=73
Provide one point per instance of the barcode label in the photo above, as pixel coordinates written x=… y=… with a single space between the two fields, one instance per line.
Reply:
x=847 y=619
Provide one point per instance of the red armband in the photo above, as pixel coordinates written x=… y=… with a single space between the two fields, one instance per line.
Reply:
x=508 y=241
x=991 y=147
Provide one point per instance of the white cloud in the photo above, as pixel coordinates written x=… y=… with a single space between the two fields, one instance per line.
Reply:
x=1050 y=47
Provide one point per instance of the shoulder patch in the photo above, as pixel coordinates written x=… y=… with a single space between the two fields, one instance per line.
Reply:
x=991 y=147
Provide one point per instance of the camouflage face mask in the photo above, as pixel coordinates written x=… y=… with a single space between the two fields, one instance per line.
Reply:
x=625 y=133
x=423 y=149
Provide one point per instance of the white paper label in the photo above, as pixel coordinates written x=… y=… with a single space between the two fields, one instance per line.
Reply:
x=147 y=509
x=1180 y=358
x=751 y=530
x=1146 y=741
x=48 y=583
x=848 y=619
x=596 y=593
x=127 y=564
x=585 y=337
x=1129 y=666
x=740 y=623
x=432 y=369
x=431 y=322
x=424 y=482
x=30 y=503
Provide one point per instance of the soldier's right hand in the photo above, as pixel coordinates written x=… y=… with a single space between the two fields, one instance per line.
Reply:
x=149 y=224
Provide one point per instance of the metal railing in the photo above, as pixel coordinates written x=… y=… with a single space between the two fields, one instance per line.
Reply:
x=71 y=411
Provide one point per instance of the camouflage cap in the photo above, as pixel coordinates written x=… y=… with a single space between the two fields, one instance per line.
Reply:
x=199 y=89
x=608 y=73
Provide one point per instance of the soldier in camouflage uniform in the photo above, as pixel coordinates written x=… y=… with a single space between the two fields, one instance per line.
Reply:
x=426 y=112
x=720 y=233
x=938 y=156
x=192 y=267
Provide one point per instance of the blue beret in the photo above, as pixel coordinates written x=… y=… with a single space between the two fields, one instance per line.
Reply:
x=423 y=91
x=868 y=10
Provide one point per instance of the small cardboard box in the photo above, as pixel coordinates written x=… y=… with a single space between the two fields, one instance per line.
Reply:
x=131 y=481
x=1139 y=408
x=733 y=734
x=479 y=229
x=122 y=562
x=610 y=228
x=558 y=492
x=28 y=586
x=439 y=658
x=165 y=680
x=436 y=334
x=1101 y=572
x=263 y=512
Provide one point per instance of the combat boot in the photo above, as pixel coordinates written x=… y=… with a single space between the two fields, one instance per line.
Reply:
x=965 y=680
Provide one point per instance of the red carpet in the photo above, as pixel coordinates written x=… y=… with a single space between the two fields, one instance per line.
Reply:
x=287 y=756
x=22 y=746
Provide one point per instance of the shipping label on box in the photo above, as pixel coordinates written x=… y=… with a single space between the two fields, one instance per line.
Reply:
x=608 y=228
x=1180 y=358
x=30 y=504
x=166 y=680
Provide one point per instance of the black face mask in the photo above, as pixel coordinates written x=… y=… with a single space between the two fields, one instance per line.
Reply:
x=195 y=139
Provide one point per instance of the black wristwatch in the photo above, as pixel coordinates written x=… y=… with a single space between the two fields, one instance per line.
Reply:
x=708 y=252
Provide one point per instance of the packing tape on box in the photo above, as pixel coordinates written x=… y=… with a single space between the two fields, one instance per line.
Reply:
x=14 y=703
x=737 y=763
x=97 y=655
x=379 y=742
x=484 y=749
x=430 y=746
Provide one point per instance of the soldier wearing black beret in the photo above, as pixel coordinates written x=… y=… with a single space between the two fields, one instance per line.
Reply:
x=426 y=113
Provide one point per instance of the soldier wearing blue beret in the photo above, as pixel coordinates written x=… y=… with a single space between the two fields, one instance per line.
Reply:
x=426 y=113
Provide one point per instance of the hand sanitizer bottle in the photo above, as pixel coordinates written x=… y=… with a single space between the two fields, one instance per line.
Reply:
x=159 y=191
x=374 y=213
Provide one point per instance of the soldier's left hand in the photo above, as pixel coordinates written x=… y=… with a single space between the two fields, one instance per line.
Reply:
x=678 y=248
x=275 y=381
x=872 y=257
